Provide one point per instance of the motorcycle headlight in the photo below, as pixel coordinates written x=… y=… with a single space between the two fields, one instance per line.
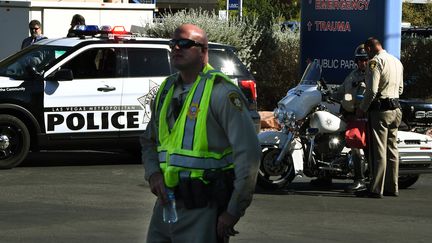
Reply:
x=290 y=119
x=280 y=115
x=334 y=142
x=284 y=117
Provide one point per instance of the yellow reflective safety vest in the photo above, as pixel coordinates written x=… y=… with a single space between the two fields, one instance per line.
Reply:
x=183 y=149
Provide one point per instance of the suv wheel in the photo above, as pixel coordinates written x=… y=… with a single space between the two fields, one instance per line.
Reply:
x=14 y=141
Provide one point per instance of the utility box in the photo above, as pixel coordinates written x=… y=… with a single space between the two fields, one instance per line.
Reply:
x=55 y=18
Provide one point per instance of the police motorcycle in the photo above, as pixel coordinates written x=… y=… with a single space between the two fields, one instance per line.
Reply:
x=312 y=139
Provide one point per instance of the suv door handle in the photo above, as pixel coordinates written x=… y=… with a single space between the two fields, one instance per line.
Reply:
x=106 y=88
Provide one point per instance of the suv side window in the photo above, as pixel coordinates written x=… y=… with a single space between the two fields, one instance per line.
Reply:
x=148 y=62
x=94 y=63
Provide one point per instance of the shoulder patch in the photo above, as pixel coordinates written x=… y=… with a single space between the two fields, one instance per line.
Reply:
x=372 y=64
x=235 y=100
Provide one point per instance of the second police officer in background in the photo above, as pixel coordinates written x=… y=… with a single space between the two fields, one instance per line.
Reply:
x=77 y=19
x=384 y=84
x=353 y=85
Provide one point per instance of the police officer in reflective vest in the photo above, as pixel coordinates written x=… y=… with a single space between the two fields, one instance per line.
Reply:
x=354 y=85
x=201 y=144
x=384 y=84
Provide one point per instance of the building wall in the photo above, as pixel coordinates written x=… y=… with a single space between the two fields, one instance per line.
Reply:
x=181 y=4
x=159 y=3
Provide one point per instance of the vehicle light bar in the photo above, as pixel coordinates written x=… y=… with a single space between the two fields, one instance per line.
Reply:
x=104 y=31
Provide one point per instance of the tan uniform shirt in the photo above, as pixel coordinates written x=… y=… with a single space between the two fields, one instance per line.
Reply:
x=353 y=85
x=228 y=124
x=383 y=79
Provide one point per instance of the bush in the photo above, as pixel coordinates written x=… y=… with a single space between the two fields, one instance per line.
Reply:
x=277 y=69
x=270 y=54
x=243 y=35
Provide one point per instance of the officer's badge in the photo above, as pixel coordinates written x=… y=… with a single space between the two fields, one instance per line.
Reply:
x=372 y=65
x=235 y=100
x=193 y=111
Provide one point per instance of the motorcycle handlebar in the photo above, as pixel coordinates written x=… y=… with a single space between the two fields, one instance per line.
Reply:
x=323 y=84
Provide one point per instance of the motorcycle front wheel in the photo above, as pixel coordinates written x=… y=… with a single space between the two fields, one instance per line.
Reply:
x=406 y=181
x=272 y=176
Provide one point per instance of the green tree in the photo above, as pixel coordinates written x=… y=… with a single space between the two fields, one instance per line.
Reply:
x=417 y=14
x=416 y=53
x=265 y=10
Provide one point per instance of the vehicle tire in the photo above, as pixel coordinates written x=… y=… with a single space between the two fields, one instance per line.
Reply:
x=14 y=141
x=271 y=176
x=404 y=126
x=135 y=152
x=406 y=181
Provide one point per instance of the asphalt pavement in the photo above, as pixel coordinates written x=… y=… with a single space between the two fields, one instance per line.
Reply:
x=86 y=196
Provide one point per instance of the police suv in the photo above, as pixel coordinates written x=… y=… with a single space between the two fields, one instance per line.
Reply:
x=91 y=92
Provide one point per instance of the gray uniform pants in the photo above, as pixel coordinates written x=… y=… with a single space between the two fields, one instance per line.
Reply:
x=385 y=154
x=357 y=158
x=193 y=225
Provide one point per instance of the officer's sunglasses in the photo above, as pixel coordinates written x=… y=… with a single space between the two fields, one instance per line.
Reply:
x=34 y=28
x=183 y=43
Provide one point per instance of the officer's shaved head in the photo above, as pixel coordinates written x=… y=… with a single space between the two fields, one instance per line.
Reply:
x=372 y=46
x=372 y=42
x=193 y=32
x=190 y=55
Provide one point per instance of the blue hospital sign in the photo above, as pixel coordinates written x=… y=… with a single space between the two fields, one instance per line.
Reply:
x=233 y=4
x=332 y=29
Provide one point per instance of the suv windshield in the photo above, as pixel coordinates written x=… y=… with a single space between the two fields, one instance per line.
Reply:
x=37 y=56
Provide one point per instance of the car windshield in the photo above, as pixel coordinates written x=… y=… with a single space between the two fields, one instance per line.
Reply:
x=312 y=74
x=38 y=57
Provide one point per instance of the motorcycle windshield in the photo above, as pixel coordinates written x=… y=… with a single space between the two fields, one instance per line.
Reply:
x=312 y=74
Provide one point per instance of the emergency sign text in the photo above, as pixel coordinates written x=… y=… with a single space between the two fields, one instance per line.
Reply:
x=342 y=5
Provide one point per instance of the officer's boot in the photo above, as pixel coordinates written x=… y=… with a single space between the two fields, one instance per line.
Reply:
x=359 y=180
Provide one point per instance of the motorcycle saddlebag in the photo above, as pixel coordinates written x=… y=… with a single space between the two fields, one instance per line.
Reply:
x=355 y=134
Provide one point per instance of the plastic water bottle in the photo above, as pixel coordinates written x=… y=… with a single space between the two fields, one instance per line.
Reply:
x=169 y=209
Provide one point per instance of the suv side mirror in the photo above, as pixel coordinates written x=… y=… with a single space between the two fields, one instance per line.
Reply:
x=61 y=75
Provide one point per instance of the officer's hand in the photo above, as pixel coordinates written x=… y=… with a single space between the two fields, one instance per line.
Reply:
x=157 y=186
x=225 y=225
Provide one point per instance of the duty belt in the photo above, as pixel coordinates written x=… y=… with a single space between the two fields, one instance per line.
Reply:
x=385 y=104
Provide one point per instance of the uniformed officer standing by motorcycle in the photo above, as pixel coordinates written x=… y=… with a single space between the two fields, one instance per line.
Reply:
x=200 y=143
x=354 y=85
x=384 y=84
